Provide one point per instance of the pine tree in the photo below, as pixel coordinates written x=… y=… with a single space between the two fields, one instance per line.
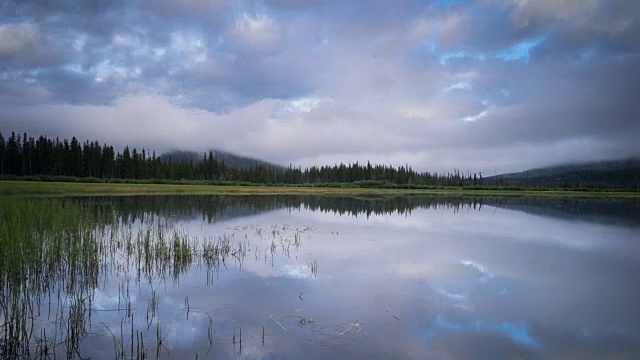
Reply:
x=13 y=156
x=2 y=152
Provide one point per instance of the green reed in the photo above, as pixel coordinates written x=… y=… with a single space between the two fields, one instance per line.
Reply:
x=54 y=254
x=44 y=245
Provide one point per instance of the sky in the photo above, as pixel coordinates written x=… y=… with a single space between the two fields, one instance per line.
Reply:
x=475 y=85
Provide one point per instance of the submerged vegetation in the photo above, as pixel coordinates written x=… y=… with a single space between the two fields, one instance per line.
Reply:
x=55 y=254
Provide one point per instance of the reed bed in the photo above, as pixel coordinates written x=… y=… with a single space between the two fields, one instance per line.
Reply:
x=55 y=254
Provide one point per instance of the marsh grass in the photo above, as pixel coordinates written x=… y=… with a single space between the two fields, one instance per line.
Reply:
x=40 y=188
x=55 y=254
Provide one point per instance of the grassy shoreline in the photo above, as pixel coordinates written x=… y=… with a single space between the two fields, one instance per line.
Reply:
x=34 y=188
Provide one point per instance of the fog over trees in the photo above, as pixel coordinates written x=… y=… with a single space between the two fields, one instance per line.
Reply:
x=22 y=155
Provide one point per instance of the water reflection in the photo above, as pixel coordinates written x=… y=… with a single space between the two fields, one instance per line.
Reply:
x=220 y=208
x=347 y=278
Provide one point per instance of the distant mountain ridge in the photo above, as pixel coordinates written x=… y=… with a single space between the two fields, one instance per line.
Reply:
x=620 y=174
x=230 y=159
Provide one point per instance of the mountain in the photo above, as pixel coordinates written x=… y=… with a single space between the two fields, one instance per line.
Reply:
x=620 y=174
x=242 y=162
x=229 y=159
x=180 y=155
x=619 y=212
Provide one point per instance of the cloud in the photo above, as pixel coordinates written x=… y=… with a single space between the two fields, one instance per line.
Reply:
x=256 y=32
x=188 y=10
x=485 y=85
x=22 y=45
x=576 y=24
x=16 y=38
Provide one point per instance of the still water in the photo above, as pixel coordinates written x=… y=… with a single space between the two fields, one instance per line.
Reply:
x=371 y=278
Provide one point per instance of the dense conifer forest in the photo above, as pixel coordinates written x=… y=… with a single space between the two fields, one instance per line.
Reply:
x=45 y=158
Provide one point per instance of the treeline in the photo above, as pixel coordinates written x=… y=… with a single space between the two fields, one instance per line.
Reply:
x=212 y=209
x=28 y=156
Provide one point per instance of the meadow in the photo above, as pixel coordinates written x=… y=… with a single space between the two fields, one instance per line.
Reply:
x=81 y=188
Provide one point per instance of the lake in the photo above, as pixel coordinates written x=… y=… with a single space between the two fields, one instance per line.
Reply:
x=310 y=277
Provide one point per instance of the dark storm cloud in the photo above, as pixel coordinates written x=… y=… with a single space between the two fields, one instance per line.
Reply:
x=441 y=84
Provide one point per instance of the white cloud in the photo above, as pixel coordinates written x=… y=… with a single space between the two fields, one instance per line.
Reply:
x=312 y=86
x=305 y=104
x=458 y=86
x=190 y=47
x=259 y=32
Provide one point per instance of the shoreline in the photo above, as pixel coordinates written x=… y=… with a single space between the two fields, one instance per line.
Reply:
x=36 y=188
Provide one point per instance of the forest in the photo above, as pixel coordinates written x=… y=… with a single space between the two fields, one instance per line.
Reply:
x=45 y=158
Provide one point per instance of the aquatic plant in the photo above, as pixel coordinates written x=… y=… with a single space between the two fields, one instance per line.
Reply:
x=55 y=254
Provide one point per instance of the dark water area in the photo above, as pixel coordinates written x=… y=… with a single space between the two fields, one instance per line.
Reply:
x=309 y=277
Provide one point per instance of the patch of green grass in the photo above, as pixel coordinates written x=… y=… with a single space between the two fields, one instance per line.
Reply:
x=34 y=188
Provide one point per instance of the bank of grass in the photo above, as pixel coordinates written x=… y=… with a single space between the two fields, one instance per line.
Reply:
x=39 y=188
